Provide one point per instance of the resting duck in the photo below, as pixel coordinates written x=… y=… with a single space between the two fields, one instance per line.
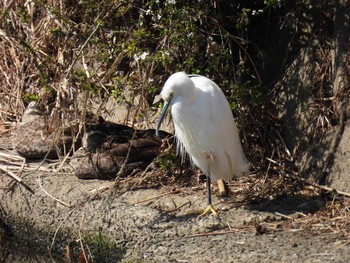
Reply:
x=108 y=146
x=36 y=137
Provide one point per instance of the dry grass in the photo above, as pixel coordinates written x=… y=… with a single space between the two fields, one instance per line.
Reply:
x=49 y=56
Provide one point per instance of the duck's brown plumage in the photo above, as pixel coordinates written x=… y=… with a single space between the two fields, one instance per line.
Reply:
x=35 y=139
x=106 y=148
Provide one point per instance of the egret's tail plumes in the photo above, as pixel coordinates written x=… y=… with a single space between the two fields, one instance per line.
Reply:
x=235 y=157
x=238 y=164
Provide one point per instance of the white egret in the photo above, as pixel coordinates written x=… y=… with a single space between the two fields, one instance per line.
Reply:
x=204 y=127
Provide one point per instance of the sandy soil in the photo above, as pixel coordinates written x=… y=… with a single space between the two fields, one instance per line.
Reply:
x=161 y=224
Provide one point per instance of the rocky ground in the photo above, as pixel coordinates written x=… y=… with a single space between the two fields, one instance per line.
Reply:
x=160 y=224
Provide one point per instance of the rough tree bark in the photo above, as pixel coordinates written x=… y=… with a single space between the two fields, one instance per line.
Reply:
x=337 y=166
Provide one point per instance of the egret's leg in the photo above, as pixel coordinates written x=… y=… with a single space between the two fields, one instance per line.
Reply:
x=209 y=189
x=210 y=207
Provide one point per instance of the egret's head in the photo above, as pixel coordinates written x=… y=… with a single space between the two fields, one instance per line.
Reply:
x=177 y=84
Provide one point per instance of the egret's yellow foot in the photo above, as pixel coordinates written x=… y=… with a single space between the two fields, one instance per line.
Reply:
x=209 y=209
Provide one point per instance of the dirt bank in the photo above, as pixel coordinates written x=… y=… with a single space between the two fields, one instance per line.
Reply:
x=165 y=228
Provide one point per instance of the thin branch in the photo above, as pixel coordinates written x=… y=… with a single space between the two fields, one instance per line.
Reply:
x=178 y=207
x=18 y=179
x=59 y=227
x=123 y=167
x=217 y=233
x=81 y=50
x=54 y=198
x=152 y=198
x=323 y=187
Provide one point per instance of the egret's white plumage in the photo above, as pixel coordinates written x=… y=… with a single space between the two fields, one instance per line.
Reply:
x=204 y=125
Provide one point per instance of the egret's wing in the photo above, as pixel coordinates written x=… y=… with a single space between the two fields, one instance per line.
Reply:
x=195 y=125
x=219 y=134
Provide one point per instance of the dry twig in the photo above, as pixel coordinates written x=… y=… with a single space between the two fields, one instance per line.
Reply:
x=51 y=196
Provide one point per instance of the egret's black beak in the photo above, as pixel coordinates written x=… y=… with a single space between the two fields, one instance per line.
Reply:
x=162 y=116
